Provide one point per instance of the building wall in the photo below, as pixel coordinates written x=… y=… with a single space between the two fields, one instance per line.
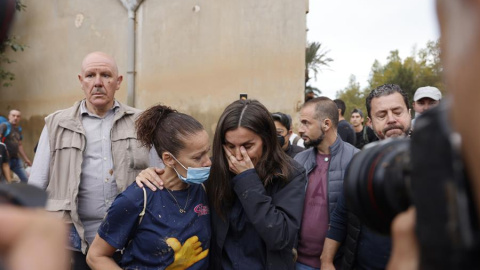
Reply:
x=196 y=56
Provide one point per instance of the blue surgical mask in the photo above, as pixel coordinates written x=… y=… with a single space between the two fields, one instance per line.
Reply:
x=195 y=176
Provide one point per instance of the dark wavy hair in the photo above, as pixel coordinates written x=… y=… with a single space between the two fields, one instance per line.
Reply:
x=165 y=129
x=250 y=114
x=385 y=90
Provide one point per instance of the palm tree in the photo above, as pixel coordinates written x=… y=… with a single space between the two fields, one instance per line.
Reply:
x=315 y=59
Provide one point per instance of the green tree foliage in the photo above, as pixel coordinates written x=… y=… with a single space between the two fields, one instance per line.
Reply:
x=11 y=43
x=353 y=97
x=315 y=59
x=422 y=68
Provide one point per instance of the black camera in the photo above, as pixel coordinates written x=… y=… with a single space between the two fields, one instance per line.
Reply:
x=426 y=171
x=21 y=194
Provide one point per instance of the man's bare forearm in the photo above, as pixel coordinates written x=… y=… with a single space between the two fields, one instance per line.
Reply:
x=23 y=155
x=330 y=248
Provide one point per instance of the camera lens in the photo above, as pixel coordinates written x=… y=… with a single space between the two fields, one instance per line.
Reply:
x=376 y=183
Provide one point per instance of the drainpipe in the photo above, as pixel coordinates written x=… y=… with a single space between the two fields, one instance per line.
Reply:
x=131 y=6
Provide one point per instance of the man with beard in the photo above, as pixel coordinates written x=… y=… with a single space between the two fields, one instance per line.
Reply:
x=88 y=154
x=388 y=108
x=325 y=162
x=460 y=46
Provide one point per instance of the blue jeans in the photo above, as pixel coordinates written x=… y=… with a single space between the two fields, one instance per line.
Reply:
x=16 y=166
x=300 y=266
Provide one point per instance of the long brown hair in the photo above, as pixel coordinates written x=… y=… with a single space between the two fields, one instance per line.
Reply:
x=250 y=114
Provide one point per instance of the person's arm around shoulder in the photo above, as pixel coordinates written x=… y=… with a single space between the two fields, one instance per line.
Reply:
x=150 y=177
x=100 y=255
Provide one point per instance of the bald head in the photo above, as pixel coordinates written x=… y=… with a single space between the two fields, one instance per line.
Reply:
x=99 y=80
x=99 y=57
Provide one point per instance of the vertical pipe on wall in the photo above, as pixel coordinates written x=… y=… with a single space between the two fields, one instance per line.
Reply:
x=131 y=60
x=131 y=6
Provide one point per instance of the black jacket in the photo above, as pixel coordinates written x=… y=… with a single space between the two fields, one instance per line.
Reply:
x=293 y=150
x=275 y=211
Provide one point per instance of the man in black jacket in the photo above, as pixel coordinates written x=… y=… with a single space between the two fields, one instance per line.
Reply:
x=345 y=130
x=388 y=108
x=363 y=133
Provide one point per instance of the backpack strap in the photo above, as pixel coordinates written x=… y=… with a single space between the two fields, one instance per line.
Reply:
x=365 y=136
x=139 y=220
x=7 y=131
x=144 y=206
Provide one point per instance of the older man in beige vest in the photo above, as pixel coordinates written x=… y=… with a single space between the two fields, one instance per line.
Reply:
x=88 y=154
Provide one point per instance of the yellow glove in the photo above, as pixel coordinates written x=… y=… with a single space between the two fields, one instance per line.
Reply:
x=186 y=255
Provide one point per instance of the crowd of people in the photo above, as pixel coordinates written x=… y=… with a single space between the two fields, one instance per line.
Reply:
x=250 y=200
x=258 y=202
x=148 y=190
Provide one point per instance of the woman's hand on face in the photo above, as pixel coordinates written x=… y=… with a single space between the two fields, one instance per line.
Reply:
x=150 y=177
x=238 y=166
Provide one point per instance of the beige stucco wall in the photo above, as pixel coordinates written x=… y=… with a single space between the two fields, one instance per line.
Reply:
x=196 y=56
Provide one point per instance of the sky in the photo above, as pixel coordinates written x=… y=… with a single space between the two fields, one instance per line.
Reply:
x=356 y=32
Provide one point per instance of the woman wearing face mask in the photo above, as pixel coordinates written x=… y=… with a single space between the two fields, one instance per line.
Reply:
x=168 y=228
x=255 y=190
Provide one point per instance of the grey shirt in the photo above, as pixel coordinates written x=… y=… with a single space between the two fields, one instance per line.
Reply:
x=98 y=187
